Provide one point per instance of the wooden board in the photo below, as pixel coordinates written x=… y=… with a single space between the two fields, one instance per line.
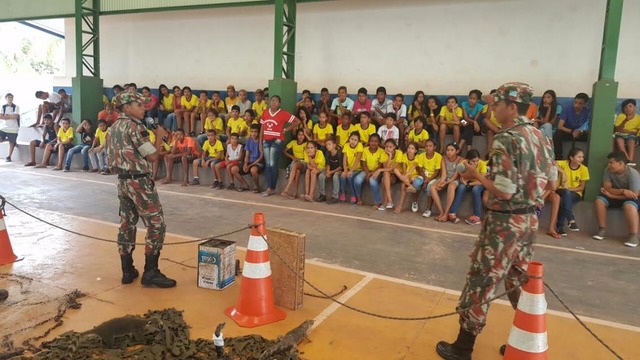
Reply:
x=288 y=289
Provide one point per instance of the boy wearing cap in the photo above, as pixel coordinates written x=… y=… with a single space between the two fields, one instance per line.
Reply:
x=510 y=225
x=130 y=154
x=9 y=124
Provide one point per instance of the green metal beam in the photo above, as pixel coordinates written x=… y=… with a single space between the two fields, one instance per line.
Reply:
x=87 y=37
x=284 y=50
x=605 y=94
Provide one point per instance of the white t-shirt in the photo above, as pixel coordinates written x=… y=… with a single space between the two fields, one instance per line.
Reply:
x=234 y=155
x=386 y=133
x=375 y=104
x=401 y=113
x=9 y=125
x=244 y=106
x=54 y=98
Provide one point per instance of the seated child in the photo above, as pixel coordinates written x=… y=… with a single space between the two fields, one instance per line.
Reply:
x=490 y=124
x=164 y=149
x=450 y=119
x=372 y=161
x=232 y=159
x=626 y=130
x=314 y=158
x=365 y=128
x=352 y=165
x=253 y=158
x=345 y=128
x=333 y=171
x=470 y=125
x=183 y=151
x=48 y=137
x=322 y=130
x=473 y=186
x=574 y=176
x=236 y=124
x=87 y=136
x=212 y=121
x=97 y=153
x=431 y=165
x=306 y=122
x=389 y=130
x=295 y=150
x=64 y=143
x=399 y=109
x=418 y=134
x=212 y=153
x=409 y=175
x=448 y=181
x=200 y=112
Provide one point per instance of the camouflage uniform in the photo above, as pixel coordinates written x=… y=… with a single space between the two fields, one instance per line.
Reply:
x=127 y=146
x=521 y=162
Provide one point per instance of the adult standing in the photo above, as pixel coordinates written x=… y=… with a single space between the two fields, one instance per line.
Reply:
x=130 y=154
x=272 y=132
x=521 y=163
x=9 y=123
x=51 y=102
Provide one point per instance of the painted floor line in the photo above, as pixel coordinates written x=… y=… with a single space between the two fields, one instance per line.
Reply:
x=385 y=278
x=382 y=222
x=343 y=299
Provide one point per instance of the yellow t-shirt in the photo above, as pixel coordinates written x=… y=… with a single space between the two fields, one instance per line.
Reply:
x=409 y=163
x=65 y=135
x=448 y=115
x=343 y=134
x=152 y=140
x=373 y=160
x=365 y=133
x=351 y=154
x=105 y=100
x=424 y=135
x=215 y=124
x=101 y=136
x=574 y=177
x=431 y=166
x=219 y=106
x=413 y=112
x=229 y=103
x=299 y=150
x=397 y=158
x=632 y=125
x=189 y=104
x=259 y=108
x=482 y=167
x=167 y=102
x=201 y=108
x=237 y=125
x=214 y=150
x=319 y=159
x=322 y=132
x=493 y=119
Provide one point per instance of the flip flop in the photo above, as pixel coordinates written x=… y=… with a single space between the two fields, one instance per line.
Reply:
x=554 y=235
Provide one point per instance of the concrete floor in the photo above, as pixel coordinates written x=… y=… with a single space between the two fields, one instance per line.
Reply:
x=598 y=279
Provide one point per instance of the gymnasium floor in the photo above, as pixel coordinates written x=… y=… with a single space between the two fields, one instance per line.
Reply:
x=401 y=265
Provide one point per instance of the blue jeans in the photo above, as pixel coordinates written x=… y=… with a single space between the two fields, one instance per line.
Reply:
x=374 y=183
x=476 y=192
x=84 y=150
x=417 y=182
x=354 y=183
x=568 y=199
x=170 y=122
x=201 y=139
x=272 y=152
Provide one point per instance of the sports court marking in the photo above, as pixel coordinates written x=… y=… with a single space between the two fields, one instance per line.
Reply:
x=367 y=277
x=344 y=216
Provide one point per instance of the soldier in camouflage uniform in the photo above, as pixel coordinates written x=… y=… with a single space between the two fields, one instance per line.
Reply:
x=130 y=154
x=521 y=168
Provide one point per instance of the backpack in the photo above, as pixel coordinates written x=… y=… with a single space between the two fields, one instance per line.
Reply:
x=13 y=108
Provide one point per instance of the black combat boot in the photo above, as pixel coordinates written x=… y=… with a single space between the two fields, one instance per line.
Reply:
x=129 y=273
x=153 y=276
x=459 y=350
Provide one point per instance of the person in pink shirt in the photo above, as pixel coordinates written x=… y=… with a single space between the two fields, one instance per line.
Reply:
x=151 y=106
x=363 y=103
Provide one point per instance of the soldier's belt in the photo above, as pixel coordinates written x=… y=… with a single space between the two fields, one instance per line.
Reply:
x=521 y=211
x=132 y=176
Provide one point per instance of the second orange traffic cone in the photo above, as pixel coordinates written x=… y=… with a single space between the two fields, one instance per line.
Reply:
x=256 y=306
x=528 y=337
x=6 y=251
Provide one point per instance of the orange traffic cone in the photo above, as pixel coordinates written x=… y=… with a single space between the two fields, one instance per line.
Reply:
x=6 y=251
x=528 y=337
x=255 y=306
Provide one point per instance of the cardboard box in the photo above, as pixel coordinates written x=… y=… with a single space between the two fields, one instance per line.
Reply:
x=288 y=289
x=216 y=264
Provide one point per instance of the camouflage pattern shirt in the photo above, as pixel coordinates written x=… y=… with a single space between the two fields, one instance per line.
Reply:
x=128 y=145
x=521 y=162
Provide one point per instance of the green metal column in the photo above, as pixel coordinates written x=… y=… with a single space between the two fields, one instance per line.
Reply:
x=87 y=84
x=284 y=54
x=605 y=98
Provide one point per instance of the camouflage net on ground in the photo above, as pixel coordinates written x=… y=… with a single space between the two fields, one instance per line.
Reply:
x=171 y=342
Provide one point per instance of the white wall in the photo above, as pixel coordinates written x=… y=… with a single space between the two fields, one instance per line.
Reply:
x=439 y=46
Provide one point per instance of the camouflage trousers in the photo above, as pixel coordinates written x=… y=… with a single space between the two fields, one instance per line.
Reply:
x=503 y=251
x=139 y=199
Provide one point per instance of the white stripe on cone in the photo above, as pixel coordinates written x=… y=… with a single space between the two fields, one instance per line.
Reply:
x=257 y=243
x=534 y=304
x=256 y=271
x=527 y=341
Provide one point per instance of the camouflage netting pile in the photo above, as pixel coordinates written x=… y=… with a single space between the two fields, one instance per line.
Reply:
x=170 y=342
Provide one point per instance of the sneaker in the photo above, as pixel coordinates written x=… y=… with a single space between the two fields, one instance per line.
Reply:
x=561 y=232
x=390 y=206
x=195 y=181
x=332 y=201
x=473 y=220
x=30 y=164
x=192 y=134
x=631 y=164
x=634 y=241
x=600 y=234
x=414 y=206
x=321 y=198
x=353 y=200
x=8 y=159
x=426 y=213
x=574 y=227
x=85 y=169
x=66 y=169
x=343 y=197
x=453 y=218
x=382 y=208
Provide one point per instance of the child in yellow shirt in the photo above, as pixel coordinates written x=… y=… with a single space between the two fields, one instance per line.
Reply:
x=409 y=175
x=295 y=150
x=63 y=143
x=322 y=131
x=212 y=153
x=345 y=129
x=316 y=163
x=211 y=122
x=259 y=105
x=365 y=128
x=352 y=165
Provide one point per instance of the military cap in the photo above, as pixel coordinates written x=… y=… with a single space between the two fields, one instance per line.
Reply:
x=514 y=91
x=125 y=97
